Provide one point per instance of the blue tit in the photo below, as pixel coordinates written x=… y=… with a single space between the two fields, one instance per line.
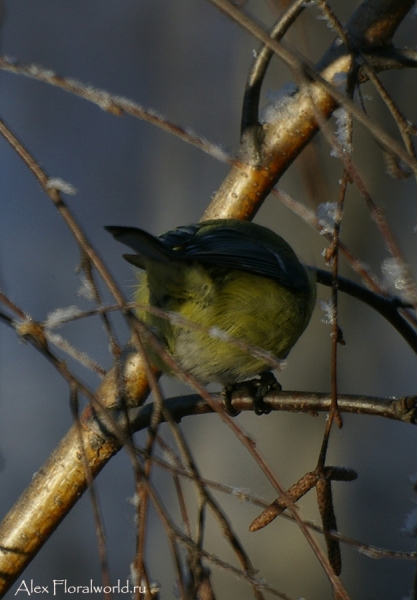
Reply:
x=225 y=278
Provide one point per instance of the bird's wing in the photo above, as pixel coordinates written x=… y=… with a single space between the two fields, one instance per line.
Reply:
x=216 y=246
x=228 y=247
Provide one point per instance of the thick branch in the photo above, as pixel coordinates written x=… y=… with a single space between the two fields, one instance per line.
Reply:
x=63 y=479
x=59 y=484
x=246 y=185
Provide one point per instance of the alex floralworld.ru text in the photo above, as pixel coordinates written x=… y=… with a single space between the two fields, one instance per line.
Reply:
x=61 y=586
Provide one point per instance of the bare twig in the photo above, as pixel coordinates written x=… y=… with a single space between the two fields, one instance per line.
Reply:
x=96 y=439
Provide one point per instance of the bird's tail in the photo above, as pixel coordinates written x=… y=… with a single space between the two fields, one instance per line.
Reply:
x=147 y=246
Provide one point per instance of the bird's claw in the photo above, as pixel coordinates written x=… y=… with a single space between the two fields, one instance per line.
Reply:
x=256 y=388
x=262 y=386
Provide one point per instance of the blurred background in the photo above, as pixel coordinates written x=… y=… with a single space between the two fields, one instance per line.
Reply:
x=187 y=61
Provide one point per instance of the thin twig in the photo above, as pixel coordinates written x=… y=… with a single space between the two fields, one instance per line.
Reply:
x=302 y=66
x=250 y=109
x=116 y=105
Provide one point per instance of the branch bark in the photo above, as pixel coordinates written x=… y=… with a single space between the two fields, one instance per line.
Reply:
x=63 y=478
x=247 y=184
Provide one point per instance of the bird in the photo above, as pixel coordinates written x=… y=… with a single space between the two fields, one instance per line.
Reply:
x=235 y=285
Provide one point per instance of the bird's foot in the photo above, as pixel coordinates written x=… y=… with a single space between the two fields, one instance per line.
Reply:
x=256 y=388
x=266 y=383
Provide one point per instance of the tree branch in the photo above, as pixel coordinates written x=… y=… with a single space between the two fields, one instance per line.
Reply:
x=61 y=481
